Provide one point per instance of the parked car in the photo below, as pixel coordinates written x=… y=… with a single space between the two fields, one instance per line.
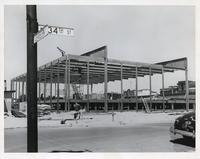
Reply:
x=18 y=114
x=184 y=125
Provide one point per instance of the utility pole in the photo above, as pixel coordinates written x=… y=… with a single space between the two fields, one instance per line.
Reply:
x=32 y=125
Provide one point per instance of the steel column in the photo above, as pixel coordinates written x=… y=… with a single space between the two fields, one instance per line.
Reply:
x=150 y=89
x=39 y=78
x=68 y=86
x=26 y=90
x=91 y=88
x=45 y=84
x=136 y=87
x=58 y=81
x=88 y=77
x=22 y=91
x=105 y=81
x=11 y=88
x=186 y=86
x=19 y=85
x=51 y=80
x=16 y=89
x=163 y=86
x=172 y=106
x=121 y=71
x=55 y=91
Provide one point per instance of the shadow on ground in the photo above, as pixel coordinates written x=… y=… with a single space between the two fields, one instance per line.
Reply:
x=70 y=151
x=184 y=141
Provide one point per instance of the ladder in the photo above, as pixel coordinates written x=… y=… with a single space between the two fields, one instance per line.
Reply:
x=145 y=105
x=76 y=89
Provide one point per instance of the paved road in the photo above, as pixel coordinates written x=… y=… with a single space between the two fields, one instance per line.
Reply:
x=145 y=138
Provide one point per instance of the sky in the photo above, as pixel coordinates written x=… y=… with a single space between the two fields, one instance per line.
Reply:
x=146 y=34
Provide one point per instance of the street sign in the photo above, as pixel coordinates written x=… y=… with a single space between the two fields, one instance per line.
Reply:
x=55 y=30
x=41 y=34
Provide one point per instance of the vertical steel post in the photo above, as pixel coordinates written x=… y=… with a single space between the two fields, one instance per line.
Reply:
x=172 y=106
x=55 y=91
x=45 y=83
x=58 y=91
x=19 y=89
x=106 y=81
x=66 y=82
x=11 y=88
x=150 y=89
x=39 y=78
x=186 y=86
x=88 y=77
x=51 y=80
x=91 y=88
x=39 y=87
x=32 y=127
x=16 y=89
x=136 y=87
x=163 y=86
x=26 y=89
x=121 y=73
x=23 y=91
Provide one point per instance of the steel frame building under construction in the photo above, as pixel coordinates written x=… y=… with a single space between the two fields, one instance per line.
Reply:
x=95 y=67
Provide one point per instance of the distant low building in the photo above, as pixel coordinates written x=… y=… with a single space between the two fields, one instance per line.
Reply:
x=179 y=89
x=141 y=93
x=8 y=100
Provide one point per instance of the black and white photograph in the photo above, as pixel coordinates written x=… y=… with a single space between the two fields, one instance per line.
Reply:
x=99 y=78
